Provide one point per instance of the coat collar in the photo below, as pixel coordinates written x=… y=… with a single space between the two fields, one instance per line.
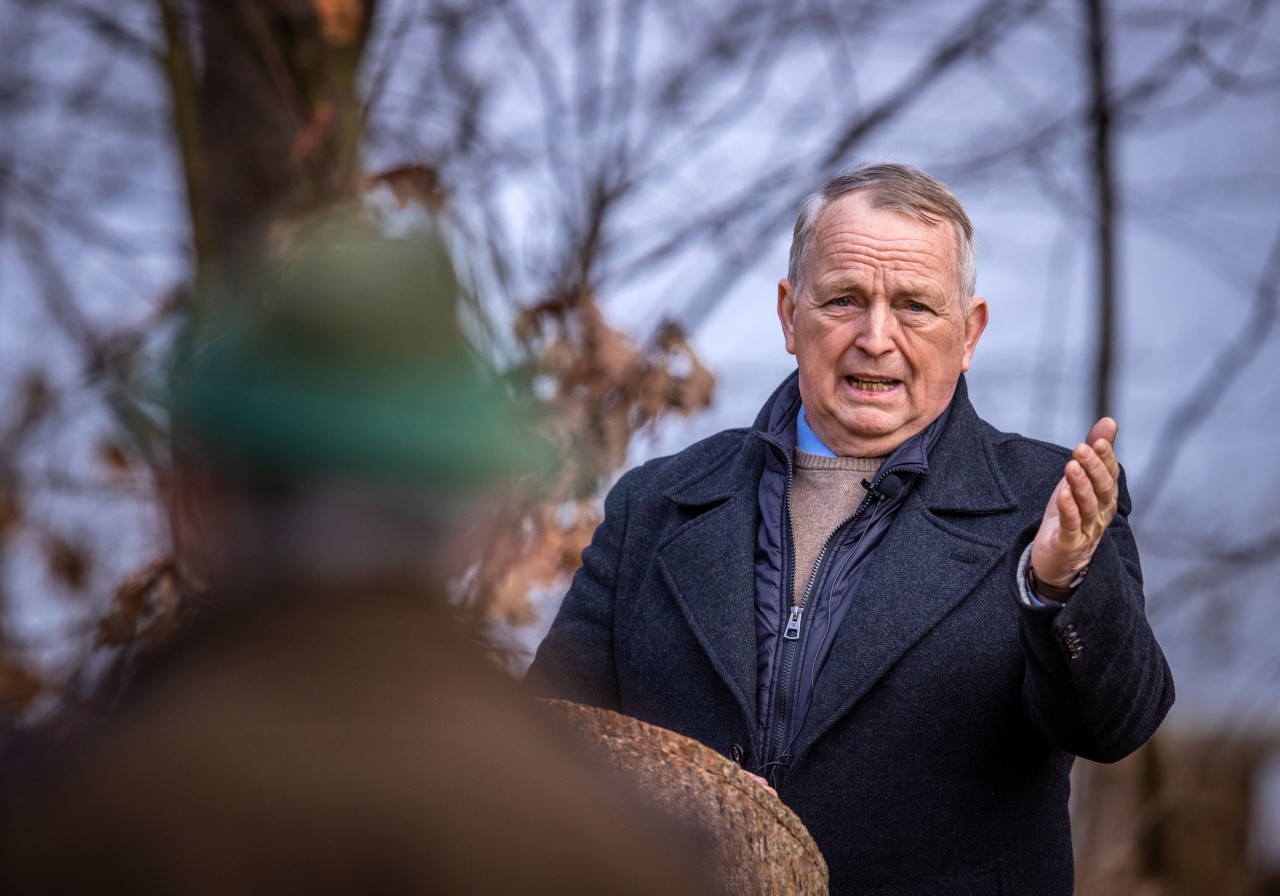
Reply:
x=964 y=475
x=739 y=472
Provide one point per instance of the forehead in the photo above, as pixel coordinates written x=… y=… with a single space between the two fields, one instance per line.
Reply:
x=852 y=240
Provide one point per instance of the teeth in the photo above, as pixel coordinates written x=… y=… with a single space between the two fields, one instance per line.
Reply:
x=871 y=385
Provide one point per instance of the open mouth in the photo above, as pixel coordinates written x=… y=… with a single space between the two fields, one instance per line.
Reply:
x=871 y=385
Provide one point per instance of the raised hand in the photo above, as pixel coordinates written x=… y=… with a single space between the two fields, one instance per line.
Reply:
x=1080 y=508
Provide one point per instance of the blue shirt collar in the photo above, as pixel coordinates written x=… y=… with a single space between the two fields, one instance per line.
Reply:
x=807 y=440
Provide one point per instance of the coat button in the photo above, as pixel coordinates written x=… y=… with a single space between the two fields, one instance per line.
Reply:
x=1072 y=641
x=735 y=753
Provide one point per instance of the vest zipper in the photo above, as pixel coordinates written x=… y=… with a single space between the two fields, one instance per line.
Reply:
x=792 y=626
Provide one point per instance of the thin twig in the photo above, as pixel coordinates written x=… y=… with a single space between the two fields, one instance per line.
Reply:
x=1215 y=383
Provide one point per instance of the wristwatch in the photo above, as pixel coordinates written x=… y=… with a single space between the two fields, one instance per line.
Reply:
x=1053 y=592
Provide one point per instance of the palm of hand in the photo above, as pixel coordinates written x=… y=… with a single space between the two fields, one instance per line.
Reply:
x=1080 y=509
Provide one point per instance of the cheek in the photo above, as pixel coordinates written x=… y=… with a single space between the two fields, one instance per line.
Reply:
x=828 y=341
x=940 y=356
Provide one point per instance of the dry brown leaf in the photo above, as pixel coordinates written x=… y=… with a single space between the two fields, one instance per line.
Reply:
x=146 y=605
x=509 y=601
x=528 y=325
x=577 y=536
x=694 y=391
x=19 y=687
x=615 y=431
x=167 y=600
x=116 y=629
x=133 y=593
x=112 y=456
x=67 y=562
x=670 y=337
x=37 y=399
x=412 y=183
x=543 y=547
x=340 y=20
x=10 y=509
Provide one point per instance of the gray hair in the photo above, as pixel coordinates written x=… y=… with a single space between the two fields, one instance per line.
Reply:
x=901 y=188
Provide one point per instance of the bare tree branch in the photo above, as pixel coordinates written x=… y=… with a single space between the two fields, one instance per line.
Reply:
x=1218 y=569
x=1204 y=395
x=1100 y=167
x=182 y=83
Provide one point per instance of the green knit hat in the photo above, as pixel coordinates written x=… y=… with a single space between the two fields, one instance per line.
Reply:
x=347 y=361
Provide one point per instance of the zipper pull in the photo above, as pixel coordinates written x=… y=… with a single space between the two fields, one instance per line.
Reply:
x=792 y=631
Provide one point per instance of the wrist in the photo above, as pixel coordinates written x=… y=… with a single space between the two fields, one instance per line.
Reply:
x=1049 y=591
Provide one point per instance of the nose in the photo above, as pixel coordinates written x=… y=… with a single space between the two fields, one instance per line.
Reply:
x=875 y=330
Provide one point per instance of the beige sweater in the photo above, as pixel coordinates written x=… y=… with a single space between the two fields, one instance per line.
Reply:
x=825 y=491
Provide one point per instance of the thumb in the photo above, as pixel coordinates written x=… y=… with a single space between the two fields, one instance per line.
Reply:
x=1105 y=428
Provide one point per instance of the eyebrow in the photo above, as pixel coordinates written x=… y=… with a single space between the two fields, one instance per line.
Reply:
x=918 y=294
x=840 y=286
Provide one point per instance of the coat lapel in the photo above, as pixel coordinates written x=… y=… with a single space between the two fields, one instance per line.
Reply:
x=708 y=565
x=924 y=567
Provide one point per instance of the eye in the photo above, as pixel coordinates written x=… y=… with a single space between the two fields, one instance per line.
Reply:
x=842 y=302
x=917 y=307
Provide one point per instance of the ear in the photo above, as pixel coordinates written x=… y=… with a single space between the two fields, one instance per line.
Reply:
x=974 y=323
x=787 y=313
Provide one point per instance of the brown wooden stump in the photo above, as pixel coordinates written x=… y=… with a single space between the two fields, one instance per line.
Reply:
x=755 y=843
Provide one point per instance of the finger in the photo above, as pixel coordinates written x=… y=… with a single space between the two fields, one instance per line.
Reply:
x=1051 y=513
x=1068 y=511
x=1086 y=500
x=1106 y=428
x=1107 y=453
x=1100 y=476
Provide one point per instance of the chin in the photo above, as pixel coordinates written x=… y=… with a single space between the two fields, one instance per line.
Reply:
x=863 y=426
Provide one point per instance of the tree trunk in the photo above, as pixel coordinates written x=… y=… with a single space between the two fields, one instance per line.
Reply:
x=1101 y=170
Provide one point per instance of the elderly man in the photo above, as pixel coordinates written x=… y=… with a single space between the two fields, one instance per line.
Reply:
x=908 y=622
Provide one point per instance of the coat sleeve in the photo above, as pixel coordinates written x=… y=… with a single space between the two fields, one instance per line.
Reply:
x=576 y=659
x=1097 y=684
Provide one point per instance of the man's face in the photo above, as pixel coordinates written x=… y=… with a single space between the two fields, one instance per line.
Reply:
x=877 y=326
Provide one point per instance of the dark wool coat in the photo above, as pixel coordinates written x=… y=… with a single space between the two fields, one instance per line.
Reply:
x=935 y=758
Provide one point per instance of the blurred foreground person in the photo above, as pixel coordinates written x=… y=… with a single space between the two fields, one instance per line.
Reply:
x=329 y=725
